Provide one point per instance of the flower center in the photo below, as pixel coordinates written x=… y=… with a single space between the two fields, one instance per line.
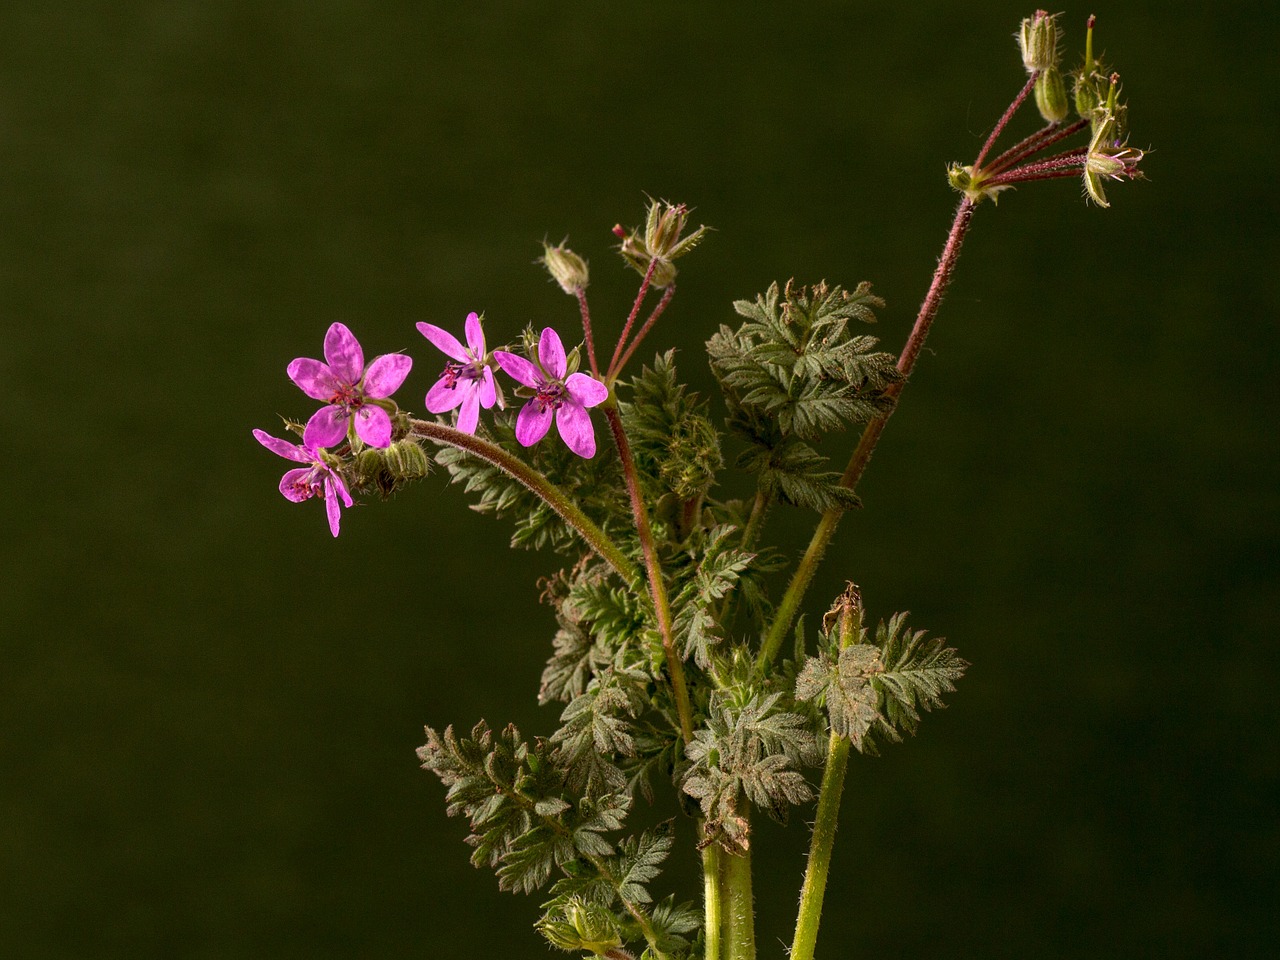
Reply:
x=551 y=394
x=347 y=396
x=455 y=372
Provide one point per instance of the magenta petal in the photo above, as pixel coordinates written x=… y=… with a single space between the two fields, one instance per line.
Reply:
x=588 y=391
x=296 y=484
x=444 y=341
x=331 y=505
x=533 y=423
x=575 y=428
x=290 y=451
x=475 y=336
x=469 y=415
x=441 y=398
x=551 y=353
x=385 y=374
x=343 y=352
x=326 y=428
x=518 y=368
x=373 y=426
x=488 y=392
x=314 y=378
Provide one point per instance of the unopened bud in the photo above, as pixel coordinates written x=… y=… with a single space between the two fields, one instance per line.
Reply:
x=581 y=926
x=566 y=268
x=1038 y=42
x=406 y=460
x=1051 y=96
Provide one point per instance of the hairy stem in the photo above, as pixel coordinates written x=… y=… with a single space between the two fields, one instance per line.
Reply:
x=1037 y=142
x=648 y=324
x=586 y=331
x=635 y=310
x=657 y=586
x=1004 y=120
x=739 y=907
x=713 y=905
x=536 y=483
x=826 y=528
x=828 y=812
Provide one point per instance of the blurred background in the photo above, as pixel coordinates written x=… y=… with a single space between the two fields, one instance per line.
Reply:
x=208 y=707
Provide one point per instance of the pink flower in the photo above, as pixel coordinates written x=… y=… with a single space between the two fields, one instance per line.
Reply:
x=317 y=479
x=346 y=386
x=467 y=382
x=555 y=396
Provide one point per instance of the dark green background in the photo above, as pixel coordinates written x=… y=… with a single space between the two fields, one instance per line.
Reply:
x=208 y=708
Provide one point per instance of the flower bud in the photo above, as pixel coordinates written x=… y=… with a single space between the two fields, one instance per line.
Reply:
x=662 y=241
x=406 y=460
x=1051 y=96
x=566 y=268
x=581 y=926
x=1038 y=42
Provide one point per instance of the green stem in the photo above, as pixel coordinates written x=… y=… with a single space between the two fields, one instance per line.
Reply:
x=657 y=586
x=739 y=907
x=536 y=483
x=826 y=528
x=713 y=905
x=824 y=825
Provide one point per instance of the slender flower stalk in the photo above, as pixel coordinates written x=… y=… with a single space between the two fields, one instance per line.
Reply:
x=653 y=566
x=1004 y=121
x=587 y=335
x=631 y=318
x=826 y=528
x=648 y=325
x=536 y=483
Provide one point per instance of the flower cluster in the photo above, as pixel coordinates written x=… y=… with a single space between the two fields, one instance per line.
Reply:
x=359 y=412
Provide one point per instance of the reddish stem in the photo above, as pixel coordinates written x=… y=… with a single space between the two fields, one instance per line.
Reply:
x=1004 y=121
x=653 y=318
x=635 y=310
x=1034 y=144
x=586 y=331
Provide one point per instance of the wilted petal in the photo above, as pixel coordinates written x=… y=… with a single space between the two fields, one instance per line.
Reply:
x=488 y=392
x=343 y=352
x=296 y=484
x=444 y=341
x=551 y=353
x=373 y=426
x=284 y=448
x=574 y=424
x=518 y=368
x=469 y=415
x=588 y=391
x=327 y=427
x=442 y=397
x=475 y=335
x=385 y=374
x=533 y=423
x=314 y=378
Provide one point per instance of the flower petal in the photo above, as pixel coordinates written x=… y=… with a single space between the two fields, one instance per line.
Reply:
x=290 y=451
x=373 y=426
x=343 y=352
x=331 y=504
x=588 y=391
x=444 y=341
x=469 y=415
x=533 y=423
x=296 y=484
x=518 y=368
x=475 y=335
x=488 y=392
x=326 y=428
x=385 y=374
x=551 y=353
x=574 y=424
x=314 y=378
x=443 y=397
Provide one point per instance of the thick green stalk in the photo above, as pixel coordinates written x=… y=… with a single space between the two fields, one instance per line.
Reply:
x=713 y=905
x=826 y=528
x=739 y=907
x=657 y=586
x=538 y=484
x=828 y=812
